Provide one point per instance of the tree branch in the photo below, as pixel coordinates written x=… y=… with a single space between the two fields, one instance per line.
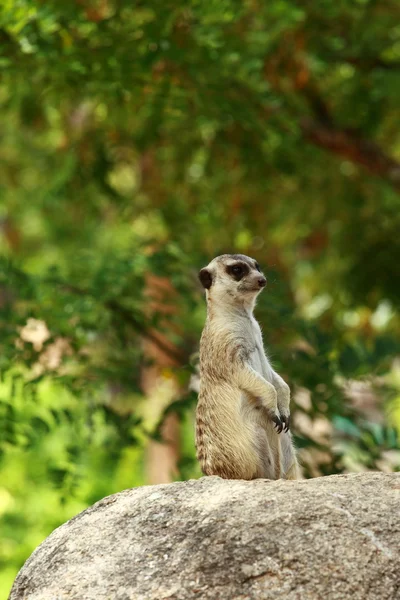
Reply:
x=350 y=145
x=144 y=331
x=365 y=63
x=321 y=131
x=128 y=316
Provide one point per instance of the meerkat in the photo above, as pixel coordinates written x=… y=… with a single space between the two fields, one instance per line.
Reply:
x=243 y=413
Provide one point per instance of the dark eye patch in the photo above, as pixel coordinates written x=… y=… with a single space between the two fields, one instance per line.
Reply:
x=257 y=266
x=237 y=271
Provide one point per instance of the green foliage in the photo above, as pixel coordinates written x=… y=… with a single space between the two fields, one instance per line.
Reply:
x=141 y=140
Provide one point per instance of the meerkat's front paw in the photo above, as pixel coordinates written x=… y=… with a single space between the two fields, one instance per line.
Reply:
x=284 y=415
x=283 y=402
x=277 y=420
x=286 y=422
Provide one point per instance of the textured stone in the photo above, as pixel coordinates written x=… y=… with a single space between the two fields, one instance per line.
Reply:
x=331 y=537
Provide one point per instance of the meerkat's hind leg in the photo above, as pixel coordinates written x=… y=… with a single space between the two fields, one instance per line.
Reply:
x=290 y=466
x=293 y=472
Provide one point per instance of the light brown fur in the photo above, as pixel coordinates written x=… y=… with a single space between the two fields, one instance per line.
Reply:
x=240 y=394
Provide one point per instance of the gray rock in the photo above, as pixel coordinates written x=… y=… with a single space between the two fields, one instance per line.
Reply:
x=326 y=538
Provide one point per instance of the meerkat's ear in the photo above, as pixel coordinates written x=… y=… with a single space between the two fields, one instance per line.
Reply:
x=205 y=277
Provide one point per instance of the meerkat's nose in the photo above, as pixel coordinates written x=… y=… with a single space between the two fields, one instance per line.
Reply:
x=262 y=282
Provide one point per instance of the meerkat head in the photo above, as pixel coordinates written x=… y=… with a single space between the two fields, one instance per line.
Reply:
x=233 y=279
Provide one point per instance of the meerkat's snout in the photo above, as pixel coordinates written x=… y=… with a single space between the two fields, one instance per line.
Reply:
x=262 y=282
x=253 y=283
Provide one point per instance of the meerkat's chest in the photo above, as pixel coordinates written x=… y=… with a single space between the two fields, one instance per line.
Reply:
x=257 y=357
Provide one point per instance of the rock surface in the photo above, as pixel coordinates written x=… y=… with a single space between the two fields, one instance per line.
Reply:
x=331 y=537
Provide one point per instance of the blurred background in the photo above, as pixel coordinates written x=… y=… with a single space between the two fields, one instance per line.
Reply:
x=138 y=141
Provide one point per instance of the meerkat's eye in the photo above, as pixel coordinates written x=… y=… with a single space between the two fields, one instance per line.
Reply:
x=257 y=266
x=237 y=270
